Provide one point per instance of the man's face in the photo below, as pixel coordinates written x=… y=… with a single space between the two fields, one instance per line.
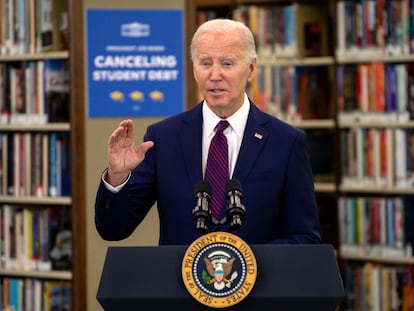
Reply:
x=221 y=71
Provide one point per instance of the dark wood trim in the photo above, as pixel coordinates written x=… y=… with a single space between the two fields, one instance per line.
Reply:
x=78 y=179
x=190 y=27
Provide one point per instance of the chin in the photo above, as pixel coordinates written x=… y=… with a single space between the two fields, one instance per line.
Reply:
x=217 y=100
x=217 y=104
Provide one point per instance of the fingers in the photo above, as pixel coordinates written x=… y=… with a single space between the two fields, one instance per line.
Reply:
x=128 y=128
x=125 y=130
x=124 y=136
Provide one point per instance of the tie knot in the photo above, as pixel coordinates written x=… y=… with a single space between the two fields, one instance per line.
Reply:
x=222 y=125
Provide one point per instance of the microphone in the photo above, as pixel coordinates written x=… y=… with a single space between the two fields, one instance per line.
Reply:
x=201 y=212
x=236 y=210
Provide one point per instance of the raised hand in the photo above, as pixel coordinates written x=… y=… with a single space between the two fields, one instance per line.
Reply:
x=123 y=155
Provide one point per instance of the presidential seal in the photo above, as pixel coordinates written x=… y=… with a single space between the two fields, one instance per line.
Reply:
x=219 y=269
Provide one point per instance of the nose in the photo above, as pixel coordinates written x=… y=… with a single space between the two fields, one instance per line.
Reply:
x=215 y=72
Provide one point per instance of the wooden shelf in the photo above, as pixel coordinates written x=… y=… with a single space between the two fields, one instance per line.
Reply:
x=35 y=200
x=212 y=3
x=329 y=187
x=308 y=61
x=49 y=127
x=376 y=124
x=379 y=259
x=53 y=275
x=314 y=124
x=36 y=56
x=361 y=188
x=370 y=58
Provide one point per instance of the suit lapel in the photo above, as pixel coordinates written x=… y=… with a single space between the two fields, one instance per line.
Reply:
x=255 y=136
x=190 y=142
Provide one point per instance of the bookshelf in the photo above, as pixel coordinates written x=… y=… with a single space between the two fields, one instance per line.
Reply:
x=375 y=189
x=36 y=109
x=349 y=57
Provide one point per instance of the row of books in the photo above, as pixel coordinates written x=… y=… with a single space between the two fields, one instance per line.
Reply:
x=375 y=226
x=35 y=164
x=33 y=26
x=34 y=92
x=321 y=146
x=377 y=157
x=286 y=31
x=364 y=27
x=327 y=217
x=371 y=286
x=293 y=92
x=367 y=27
x=35 y=239
x=369 y=91
x=33 y=294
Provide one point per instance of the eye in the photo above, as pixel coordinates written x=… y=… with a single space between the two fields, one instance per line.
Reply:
x=205 y=63
x=227 y=64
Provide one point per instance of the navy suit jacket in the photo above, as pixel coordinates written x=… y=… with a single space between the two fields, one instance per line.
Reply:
x=273 y=167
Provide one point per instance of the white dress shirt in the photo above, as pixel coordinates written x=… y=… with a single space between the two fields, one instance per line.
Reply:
x=234 y=132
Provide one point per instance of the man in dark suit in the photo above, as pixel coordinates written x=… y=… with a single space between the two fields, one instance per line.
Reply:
x=266 y=155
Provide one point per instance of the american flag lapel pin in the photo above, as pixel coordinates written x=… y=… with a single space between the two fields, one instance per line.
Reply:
x=257 y=135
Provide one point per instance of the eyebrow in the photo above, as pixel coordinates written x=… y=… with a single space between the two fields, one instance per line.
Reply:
x=226 y=57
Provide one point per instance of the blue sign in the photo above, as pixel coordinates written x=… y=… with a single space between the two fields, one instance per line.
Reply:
x=135 y=62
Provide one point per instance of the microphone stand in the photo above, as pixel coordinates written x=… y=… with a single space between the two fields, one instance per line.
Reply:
x=235 y=213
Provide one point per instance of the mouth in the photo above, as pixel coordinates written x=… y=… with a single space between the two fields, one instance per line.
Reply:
x=216 y=91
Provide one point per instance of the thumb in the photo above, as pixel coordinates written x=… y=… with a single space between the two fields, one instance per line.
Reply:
x=145 y=146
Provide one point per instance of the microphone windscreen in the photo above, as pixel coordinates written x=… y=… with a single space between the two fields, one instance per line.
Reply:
x=234 y=184
x=202 y=186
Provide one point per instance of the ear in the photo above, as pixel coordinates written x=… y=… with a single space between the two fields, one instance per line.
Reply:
x=195 y=74
x=252 y=70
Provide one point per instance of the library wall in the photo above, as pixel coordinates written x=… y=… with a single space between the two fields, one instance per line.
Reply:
x=36 y=259
x=97 y=134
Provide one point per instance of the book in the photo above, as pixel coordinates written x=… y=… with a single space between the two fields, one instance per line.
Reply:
x=10 y=232
x=64 y=168
x=53 y=165
x=410 y=88
x=401 y=92
x=18 y=89
x=53 y=26
x=60 y=238
x=14 y=293
x=45 y=164
x=54 y=295
x=37 y=186
x=400 y=154
x=320 y=144
x=56 y=90
x=66 y=296
x=313 y=39
x=312 y=91
x=5 y=95
x=327 y=218
x=44 y=239
x=312 y=30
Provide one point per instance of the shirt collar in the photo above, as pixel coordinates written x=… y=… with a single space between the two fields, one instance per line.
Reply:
x=237 y=120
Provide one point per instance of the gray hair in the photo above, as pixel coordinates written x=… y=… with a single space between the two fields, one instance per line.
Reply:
x=224 y=24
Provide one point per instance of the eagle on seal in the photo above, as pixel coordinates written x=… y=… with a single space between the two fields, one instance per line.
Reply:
x=219 y=271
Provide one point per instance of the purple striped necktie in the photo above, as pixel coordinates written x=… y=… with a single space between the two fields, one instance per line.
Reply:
x=217 y=168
